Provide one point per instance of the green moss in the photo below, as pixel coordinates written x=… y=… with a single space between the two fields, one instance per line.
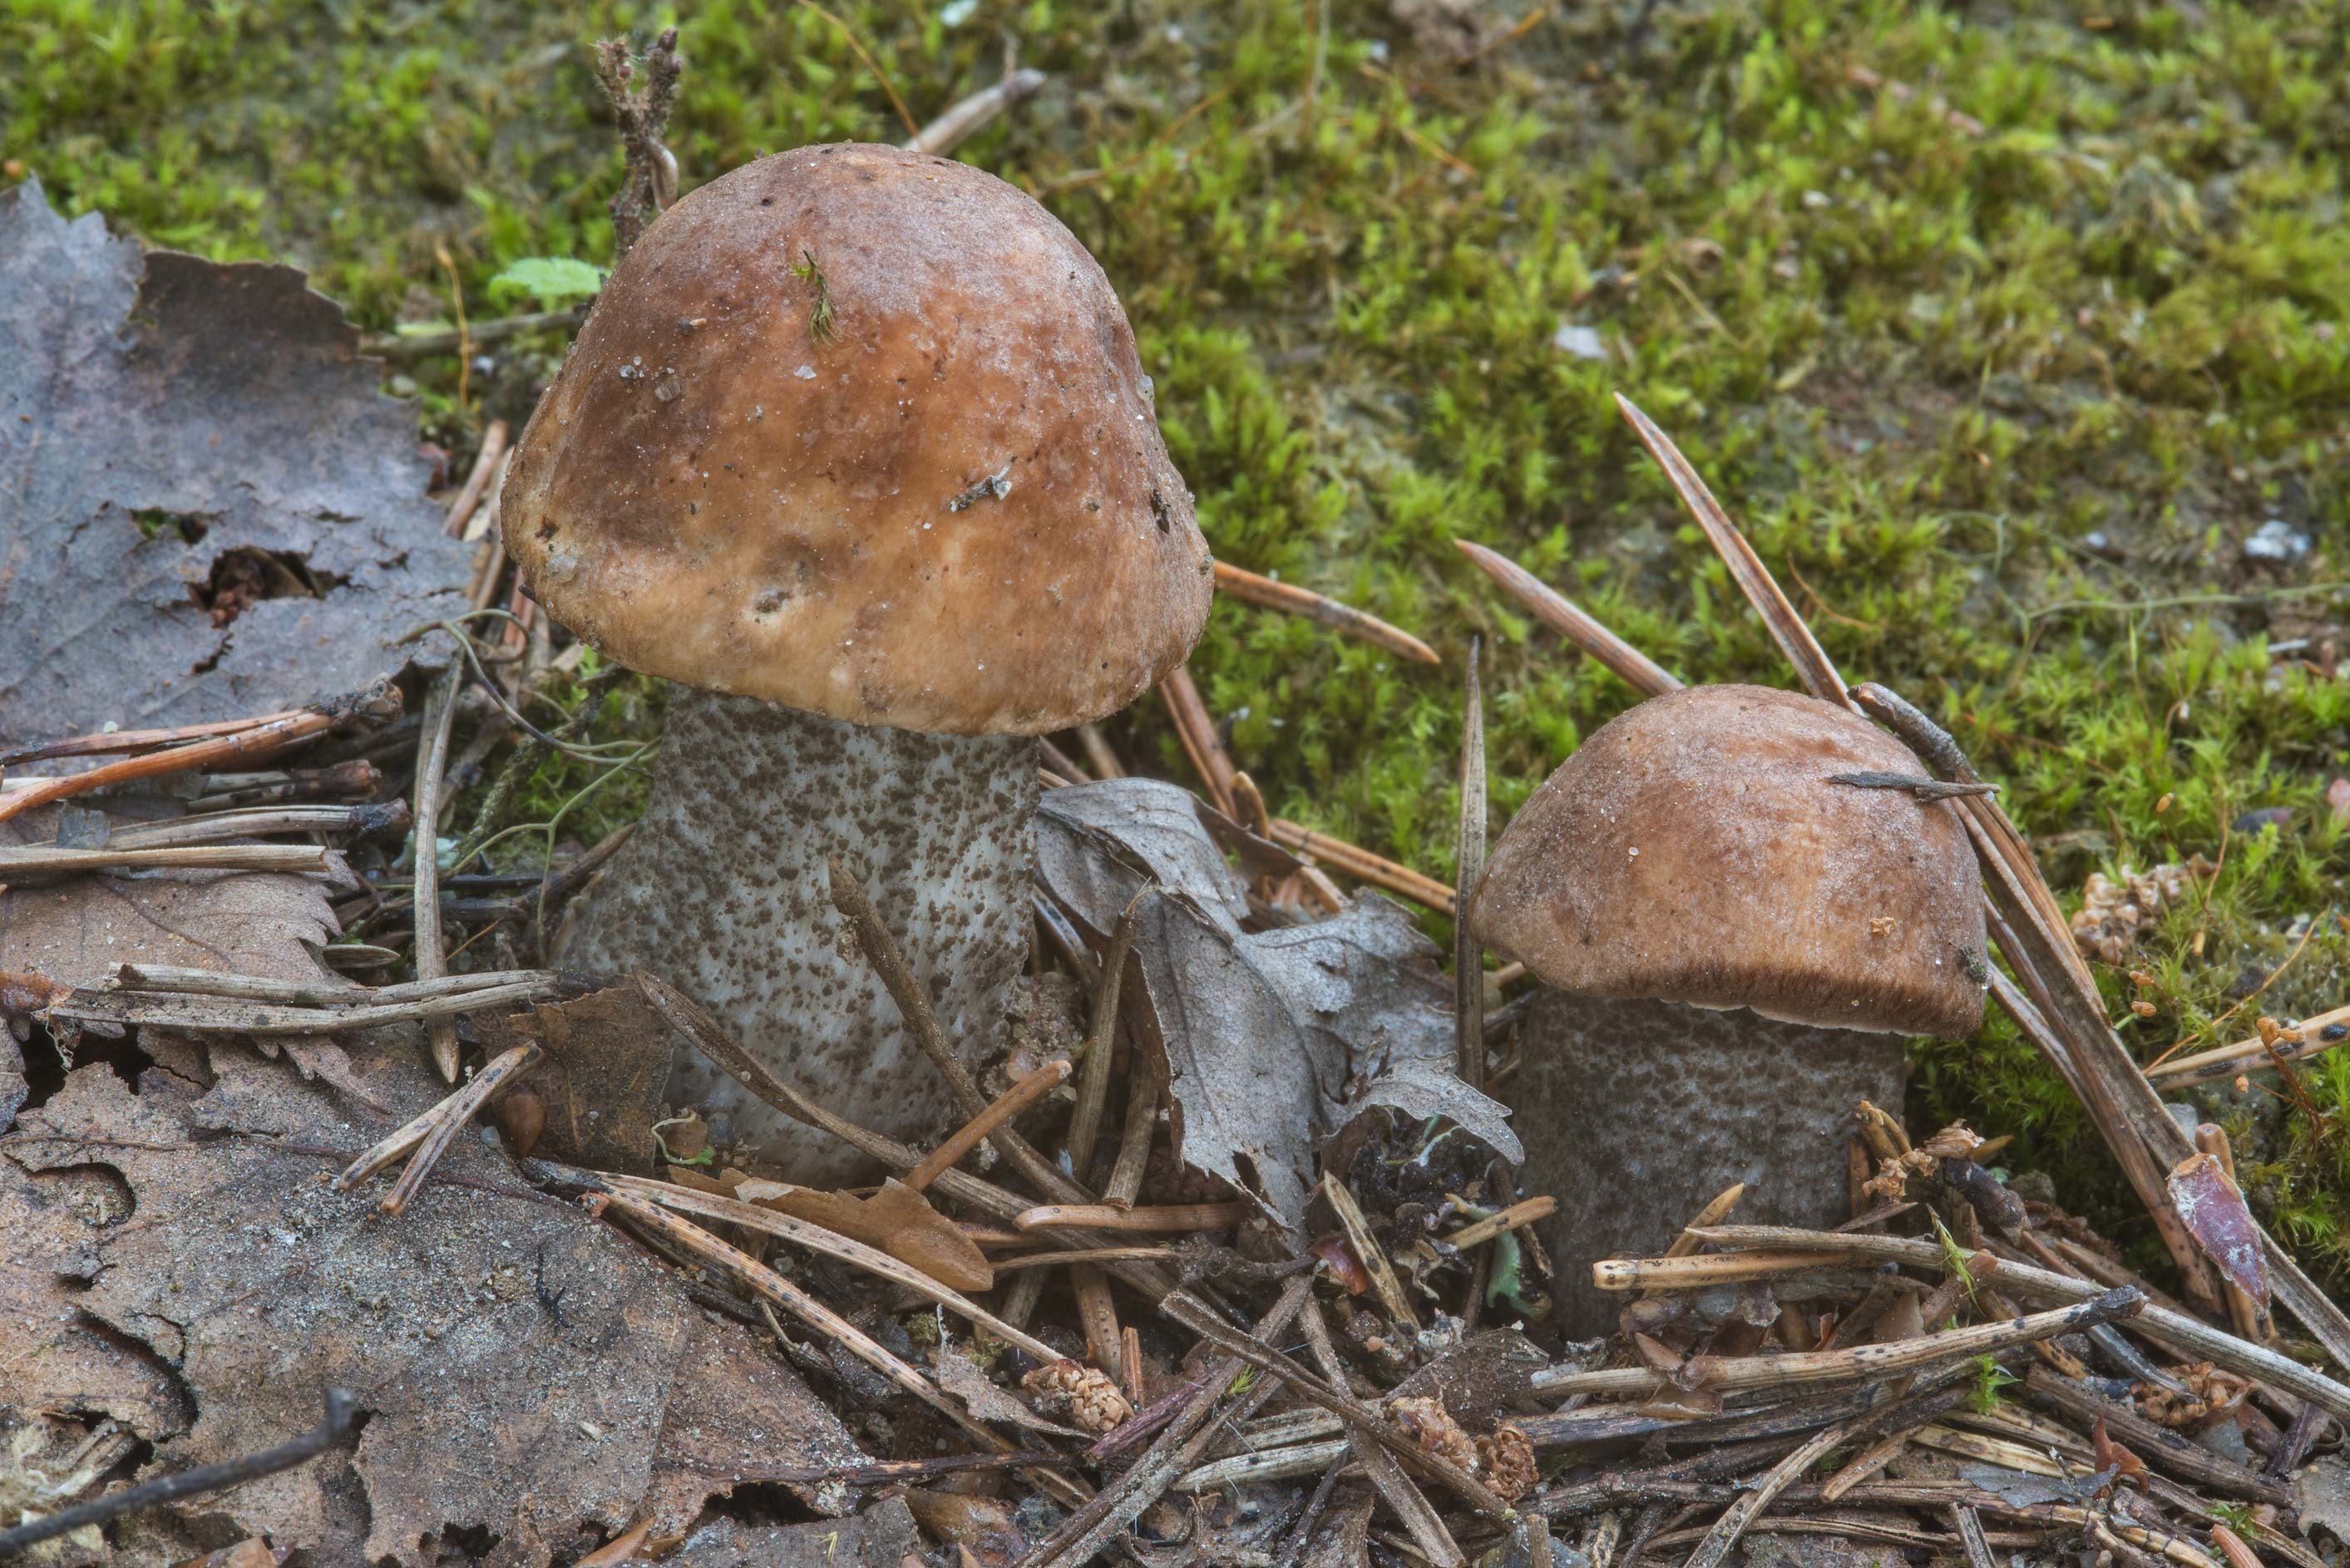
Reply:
x=1999 y=409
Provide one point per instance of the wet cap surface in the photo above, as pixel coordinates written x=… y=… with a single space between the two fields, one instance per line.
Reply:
x=1694 y=850
x=863 y=432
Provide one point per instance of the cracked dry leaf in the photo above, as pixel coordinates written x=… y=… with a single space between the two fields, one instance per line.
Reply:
x=568 y=1370
x=207 y=507
x=1271 y=1040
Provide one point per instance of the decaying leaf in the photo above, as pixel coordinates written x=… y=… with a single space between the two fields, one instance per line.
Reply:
x=2222 y=1225
x=1272 y=1040
x=896 y=1219
x=608 y=1058
x=2114 y=913
x=571 y=1372
x=207 y=507
x=960 y=1375
x=2321 y=1495
x=881 y=1537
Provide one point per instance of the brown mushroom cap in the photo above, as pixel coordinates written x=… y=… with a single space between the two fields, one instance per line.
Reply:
x=863 y=432
x=1694 y=850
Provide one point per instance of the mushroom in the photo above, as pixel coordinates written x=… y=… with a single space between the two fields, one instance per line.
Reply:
x=854 y=449
x=1734 y=945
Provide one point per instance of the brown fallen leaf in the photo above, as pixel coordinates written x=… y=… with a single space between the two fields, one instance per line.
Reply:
x=2216 y=1215
x=573 y=1365
x=960 y=1375
x=897 y=1220
x=599 y=1089
x=219 y=511
x=881 y=1537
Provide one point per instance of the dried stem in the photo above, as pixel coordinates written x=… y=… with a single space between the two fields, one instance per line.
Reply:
x=477 y=482
x=433 y=755
x=1361 y=864
x=1360 y=1418
x=1384 y=1283
x=1685 y=1273
x=1408 y=1503
x=1468 y=863
x=292 y=859
x=1099 y=1315
x=328 y=992
x=1633 y=668
x=817 y=1239
x=1516 y=1217
x=1126 y=1173
x=219 y=826
x=1172 y=1219
x=964 y=119
x=2189 y=1335
x=1177 y=1449
x=1002 y=1109
x=225 y=1016
x=1197 y=730
x=651 y=182
x=1093 y=1083
x=2318 y=1034
x=1273 y=595
x=429 y=1134
x=258 y=740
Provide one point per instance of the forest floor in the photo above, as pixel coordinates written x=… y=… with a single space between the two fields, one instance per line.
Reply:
x=2017 y=336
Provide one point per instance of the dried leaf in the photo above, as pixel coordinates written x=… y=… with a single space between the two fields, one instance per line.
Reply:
x=881 y=1537
x=897 y=1220
x=960 y=1375
x=575 y=1368
x=1098 y=845
x=2215 y=1214
x=207 y=507
x=2321 y=1495
x=608 y=1060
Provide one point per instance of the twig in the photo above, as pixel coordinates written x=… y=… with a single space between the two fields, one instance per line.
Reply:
x=290 y=858
x=1408 y=1501
x=477 y=482
x=217 y=826
x=1517 y=1216
x=964 y=119
x=1093 y=1083
x=1272 y=594
x=1384 y=1283
x=254 y=740
x=1094 y=1255
x=429 y=1134
x=2156 y=1444
x=849 y=35
x=2189 y=1335
x=1799 y=1368
x=1194 y=1314
x=118 y=742
x=148 y=977
x=1172 y=1219
x=1468 y=866
x=1176 y=1450
x=815 y=1239
x=1105 y=761
x=707 y=1249
x=1635 y=668
x=881 y=949
x=1918 y=784
x=1684 y=1274
x=1002 y=1109
x=1361 y=864
x=268 y=1019
x=1197 y=730
x=404 y=348
x=1098 y=1315
x=342 y=1414
x=2318 y=1032
x=1126 y=1173
x=650 y=182
x=432 y=958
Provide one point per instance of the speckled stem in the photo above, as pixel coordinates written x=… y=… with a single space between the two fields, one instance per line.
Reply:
x=721 y=893
x=1635 y=1113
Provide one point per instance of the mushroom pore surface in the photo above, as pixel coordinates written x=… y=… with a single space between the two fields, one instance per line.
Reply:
x=1694 y=849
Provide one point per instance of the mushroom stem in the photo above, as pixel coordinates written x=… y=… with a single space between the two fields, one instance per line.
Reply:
x=1660 y=1105
x=722 y=892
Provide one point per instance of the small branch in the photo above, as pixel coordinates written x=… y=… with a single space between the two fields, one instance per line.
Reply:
x=1173 y=1220
x=341 y=1418
x=1006 y=1105
x=966 y=116
x=1362 y=865
x=429 y=1133
x=1684 y=1274
x=1266 y=592
x=432 y=958
x=145 y=978
x=1197 y=730
x=1516 y=1217
x=1096 y=1256
x=1126 y=1173
x=218 y=827
x=1635 y=668
x=293 y=859
x=1408 y=1503
x=254 y=740
x=1468 y=867
x=881 y=951
x=264 y=1019
x=1924 y=788
x=1194 y=1315
x=477 y=482
x=121 y=742
x=403 y=348
x=1093 y=1083
x=650 y=182
x=1384 y=1283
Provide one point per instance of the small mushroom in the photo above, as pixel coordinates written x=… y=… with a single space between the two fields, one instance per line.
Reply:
x=856 y=450
x=1734 y=945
